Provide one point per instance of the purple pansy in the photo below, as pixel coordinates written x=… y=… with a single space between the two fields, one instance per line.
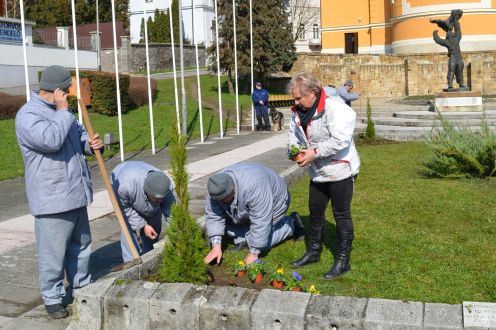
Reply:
x=297 y=276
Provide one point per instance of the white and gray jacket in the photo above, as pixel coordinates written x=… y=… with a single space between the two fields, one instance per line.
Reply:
x=261 y=199
x=127 y=181
x=330 y=134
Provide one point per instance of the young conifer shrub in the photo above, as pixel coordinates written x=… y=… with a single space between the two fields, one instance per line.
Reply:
x=458 y=151
x=184 y=250
x=370 y=130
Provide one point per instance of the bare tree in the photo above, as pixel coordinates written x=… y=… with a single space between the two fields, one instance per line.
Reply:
x=12 y=9
x=303 y=14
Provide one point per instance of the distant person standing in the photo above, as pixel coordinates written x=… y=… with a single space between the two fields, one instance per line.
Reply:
x=345 y=93
x=260 y=98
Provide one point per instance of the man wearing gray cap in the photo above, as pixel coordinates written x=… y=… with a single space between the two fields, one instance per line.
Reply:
x=248 y=202
x=58 y=185
x=345 y=93
x=144 y=193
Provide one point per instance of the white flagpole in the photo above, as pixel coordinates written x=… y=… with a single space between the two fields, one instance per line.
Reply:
x=174 y=68
x=119 y=111
x=219 y=91
x=74 y=38
x=251 y=64
x=150 y=107
x=24 y=53
x=236 y=66
x=197 y=71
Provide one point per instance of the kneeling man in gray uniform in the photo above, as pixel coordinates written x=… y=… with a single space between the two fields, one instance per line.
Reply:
x=248 y=202
x=144 y=193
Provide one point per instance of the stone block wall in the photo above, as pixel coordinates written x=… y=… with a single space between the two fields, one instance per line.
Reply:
x=399 y=75
x=161 y=57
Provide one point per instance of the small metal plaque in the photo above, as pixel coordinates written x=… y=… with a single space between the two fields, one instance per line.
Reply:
x=479 y=314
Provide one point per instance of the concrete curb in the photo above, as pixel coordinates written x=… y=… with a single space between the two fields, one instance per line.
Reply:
x=122 y=300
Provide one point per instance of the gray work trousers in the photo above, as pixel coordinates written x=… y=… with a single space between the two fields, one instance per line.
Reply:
x=63 y=244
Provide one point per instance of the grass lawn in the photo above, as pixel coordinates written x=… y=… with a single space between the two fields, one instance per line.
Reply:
x=416 y=238
x=136 y=123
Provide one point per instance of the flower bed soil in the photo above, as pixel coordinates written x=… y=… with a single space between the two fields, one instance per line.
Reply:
x=223 y=276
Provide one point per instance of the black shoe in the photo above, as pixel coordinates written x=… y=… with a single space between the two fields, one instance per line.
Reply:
x=238 y=247
x=56 y=311
x=299 y=229
x=308 y=258
x=339 y=268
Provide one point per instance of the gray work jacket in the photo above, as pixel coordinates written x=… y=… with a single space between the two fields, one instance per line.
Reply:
x=127 y=181
x=261 y=199
x=52 y=143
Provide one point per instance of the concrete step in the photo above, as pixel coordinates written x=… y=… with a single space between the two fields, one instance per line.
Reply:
x=401 y=133
x=489 y=114
x=430 y=122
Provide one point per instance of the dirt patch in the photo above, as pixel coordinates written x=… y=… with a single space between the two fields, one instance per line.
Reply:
x=223 y=276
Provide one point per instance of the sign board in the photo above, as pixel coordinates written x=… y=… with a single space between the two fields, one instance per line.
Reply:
x=479 y=315
x=10 y=32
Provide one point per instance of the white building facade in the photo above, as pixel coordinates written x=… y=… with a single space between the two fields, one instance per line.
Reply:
x=204 y=18
x=305 y=17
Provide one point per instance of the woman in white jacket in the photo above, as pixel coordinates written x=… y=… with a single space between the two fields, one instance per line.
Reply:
x=323 y=127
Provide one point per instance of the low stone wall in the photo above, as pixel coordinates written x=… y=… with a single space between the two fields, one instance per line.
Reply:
x=389 y=75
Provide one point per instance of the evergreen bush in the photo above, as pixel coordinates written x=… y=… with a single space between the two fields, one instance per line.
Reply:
x=370 y=130
x=184 y=250
x=458 y=151
x=104 y=91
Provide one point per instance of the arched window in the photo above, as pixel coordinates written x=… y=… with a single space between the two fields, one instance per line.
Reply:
x=315 y=30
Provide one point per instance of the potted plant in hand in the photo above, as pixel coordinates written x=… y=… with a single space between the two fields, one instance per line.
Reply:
x=256 y=271
x=239 y=269
x=295 y=153
x=277 y=278
x=293 y=283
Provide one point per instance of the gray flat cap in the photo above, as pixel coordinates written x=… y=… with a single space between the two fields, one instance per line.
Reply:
x=157 y=184
x=348 y=82
x=220 y=185
x=55 y=76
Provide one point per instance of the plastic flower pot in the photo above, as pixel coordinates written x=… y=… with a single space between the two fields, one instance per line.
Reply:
x=299 y=157
x=259 y=277
x=297 y=289
x=241 y=273
x=277 y=284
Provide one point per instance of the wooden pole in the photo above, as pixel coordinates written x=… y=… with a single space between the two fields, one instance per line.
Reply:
x=108 y=186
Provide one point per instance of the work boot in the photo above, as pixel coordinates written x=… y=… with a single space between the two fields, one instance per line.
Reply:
x=299 y=229
x=260 y=125
x=314 y=248
x=238 y=247
x=56 y=311
x=342 y=260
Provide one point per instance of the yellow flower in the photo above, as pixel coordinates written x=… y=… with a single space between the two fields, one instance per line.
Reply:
x=241 y=263
x=280 y=271
x=313 y=290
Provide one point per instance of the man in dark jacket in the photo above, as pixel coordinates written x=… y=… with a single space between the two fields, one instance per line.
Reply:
x=58 y=185
x=260 y=98
x=248 y=202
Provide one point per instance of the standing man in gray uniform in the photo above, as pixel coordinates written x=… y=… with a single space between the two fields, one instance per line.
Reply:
x=58 y=185
x=248 y=202
x=144 y=193
x=345 y=93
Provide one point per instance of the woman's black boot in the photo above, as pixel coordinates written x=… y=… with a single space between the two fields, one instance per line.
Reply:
x=314 y=249
x=342 y=260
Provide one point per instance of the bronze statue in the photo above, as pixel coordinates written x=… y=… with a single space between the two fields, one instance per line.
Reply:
x=452 y=42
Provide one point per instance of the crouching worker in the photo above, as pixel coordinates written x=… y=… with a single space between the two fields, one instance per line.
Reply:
x=144 y=194
x=248 y=202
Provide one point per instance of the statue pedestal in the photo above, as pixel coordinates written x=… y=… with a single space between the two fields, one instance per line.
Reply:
x=461 y=101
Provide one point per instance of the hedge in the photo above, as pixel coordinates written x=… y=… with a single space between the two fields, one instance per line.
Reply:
x=104 y=91
x=10 y=104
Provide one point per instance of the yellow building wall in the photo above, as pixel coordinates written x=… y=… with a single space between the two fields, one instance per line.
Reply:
x=419 y=3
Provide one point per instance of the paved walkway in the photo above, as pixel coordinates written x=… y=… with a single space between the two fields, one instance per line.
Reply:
x=20 y=301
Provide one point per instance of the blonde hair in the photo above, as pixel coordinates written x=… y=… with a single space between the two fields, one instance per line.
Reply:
x=306 y=82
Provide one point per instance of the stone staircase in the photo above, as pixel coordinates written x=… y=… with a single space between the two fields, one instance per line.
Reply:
x=399 y=121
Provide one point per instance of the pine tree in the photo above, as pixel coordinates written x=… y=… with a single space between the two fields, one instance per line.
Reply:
x=273 y=48
x=182 y=258
x=370 y=130
x=142 y=31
